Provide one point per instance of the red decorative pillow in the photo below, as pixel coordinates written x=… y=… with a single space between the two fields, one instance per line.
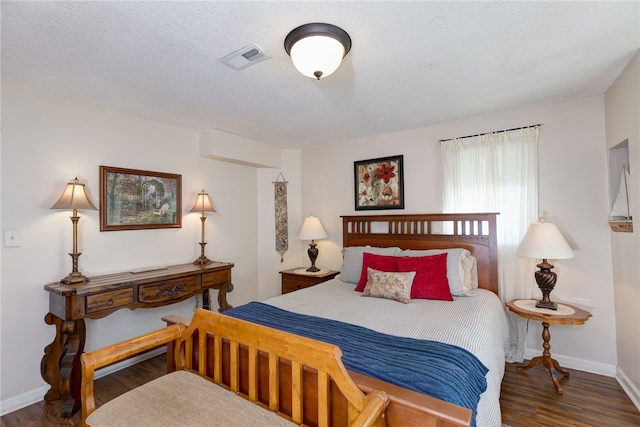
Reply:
x=377 y=262
x=431 y=276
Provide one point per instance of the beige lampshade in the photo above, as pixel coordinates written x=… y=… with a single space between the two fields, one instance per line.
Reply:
x=74 y=197
x=312 y=229
x=203 y=203
x=543 y=240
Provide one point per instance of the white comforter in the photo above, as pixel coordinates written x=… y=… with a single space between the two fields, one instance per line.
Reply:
x=477 y=323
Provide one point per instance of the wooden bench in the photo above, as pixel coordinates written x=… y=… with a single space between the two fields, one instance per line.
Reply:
x=207 y=385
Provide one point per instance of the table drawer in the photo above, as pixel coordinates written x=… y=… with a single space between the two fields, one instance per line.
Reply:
x=290 y=285
x=292 y=280
x=216 y=279
x=109 y=300
x=169 y=289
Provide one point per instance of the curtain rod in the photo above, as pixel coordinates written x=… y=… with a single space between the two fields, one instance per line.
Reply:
x=496 y=131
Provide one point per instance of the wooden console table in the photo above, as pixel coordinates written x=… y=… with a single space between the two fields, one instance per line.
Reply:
x=69 y=305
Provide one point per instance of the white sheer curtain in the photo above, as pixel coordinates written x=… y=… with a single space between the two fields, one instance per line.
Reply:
x=498 y=172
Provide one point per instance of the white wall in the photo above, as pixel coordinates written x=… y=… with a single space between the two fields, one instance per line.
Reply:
x=573 y=194
x=622 y=113
x=48 y=140
x=269 y=263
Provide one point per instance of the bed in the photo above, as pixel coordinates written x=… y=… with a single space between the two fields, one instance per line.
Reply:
x=463 y=322
x=475 y=324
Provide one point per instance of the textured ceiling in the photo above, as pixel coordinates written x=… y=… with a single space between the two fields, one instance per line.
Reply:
x=412 y=64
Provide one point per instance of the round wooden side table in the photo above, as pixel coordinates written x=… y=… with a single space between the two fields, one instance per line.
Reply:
x=565 y=315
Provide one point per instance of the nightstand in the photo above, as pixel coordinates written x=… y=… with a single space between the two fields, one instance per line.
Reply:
x=565 y=315
x=299 y=278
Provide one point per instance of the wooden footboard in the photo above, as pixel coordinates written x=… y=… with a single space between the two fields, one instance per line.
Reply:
x=406 y=408
x=411 y=409
x=300 y=379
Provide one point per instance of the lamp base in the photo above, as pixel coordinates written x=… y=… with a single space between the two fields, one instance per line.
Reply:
x=74 y=278
x=313 y=255
x=547 y=304
x=202 y=261
x=546 y=280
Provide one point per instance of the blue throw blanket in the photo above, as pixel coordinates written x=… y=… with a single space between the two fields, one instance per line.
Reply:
x=439 y=370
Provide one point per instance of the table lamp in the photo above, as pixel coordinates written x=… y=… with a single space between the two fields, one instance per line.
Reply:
x=74 y=197
x=203 y=205
x=544 y=241
x=312 y=230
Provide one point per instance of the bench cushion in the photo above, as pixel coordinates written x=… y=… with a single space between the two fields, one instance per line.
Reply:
x=183 y=398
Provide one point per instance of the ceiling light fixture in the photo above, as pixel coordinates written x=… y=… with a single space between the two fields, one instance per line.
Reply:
x=317 y=49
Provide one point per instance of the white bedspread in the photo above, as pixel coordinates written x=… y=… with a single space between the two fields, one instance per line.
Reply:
x=477 y=323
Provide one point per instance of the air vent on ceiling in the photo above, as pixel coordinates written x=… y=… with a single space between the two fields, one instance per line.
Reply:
x=246 y=56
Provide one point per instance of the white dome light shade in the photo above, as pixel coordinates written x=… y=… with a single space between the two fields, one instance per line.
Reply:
x=317 y=54
x=317 y=49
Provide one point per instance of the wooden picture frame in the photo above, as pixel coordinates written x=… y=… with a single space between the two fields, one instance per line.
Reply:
x=379 y=183
x=132 y=199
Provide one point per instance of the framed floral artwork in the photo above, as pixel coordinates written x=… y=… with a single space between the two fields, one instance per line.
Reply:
x=132 y=199
x=379 y=183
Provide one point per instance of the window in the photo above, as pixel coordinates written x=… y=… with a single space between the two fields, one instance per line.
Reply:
x=498 y=172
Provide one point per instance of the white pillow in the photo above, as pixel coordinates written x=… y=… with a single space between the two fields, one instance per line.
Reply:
x=470 y=266
x=352 y=260
x=460 y=268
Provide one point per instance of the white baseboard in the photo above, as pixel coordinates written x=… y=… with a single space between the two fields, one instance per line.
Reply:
x=629 y=387
x=25 y=399
x=18 y=402
x=575 y=363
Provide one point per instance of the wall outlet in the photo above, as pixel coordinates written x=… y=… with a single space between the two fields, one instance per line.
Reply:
x=11 y=238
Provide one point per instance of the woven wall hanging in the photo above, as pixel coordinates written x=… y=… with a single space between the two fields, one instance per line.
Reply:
x=282 y=222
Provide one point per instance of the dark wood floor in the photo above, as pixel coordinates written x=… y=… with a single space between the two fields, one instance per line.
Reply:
x=528 y=399
x=106 y=388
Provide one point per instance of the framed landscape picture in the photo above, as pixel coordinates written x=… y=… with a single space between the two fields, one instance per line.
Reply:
x=379 y=183
x=132 y=199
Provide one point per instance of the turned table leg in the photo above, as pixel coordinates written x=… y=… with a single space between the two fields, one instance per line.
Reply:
x=547 y=361
x=206 y=300
x=60 y=366
x=223 y=305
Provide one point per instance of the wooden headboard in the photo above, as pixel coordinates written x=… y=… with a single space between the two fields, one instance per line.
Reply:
x=475 y=232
